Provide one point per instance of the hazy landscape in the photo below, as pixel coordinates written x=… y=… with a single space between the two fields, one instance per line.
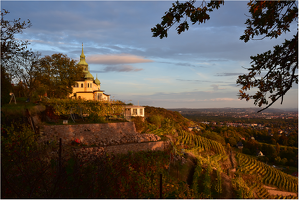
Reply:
x=149 y=99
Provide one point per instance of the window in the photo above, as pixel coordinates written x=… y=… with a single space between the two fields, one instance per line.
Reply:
x=81 y=85
x=134 y=111
x=141 y=111
x=88 y=85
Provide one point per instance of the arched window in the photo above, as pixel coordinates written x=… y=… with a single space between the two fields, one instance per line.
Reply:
x=81 y=85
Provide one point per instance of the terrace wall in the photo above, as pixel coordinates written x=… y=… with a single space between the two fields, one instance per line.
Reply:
x=111 y=137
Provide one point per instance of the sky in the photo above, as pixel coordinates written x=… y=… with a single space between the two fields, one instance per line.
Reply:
x=196 y=69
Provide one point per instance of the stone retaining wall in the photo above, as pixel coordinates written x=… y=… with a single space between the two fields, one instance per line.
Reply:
x=125 y=148
x=100 y=135
x=90 y=153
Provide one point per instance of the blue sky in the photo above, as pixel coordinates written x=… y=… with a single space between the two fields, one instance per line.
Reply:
x=197 y=69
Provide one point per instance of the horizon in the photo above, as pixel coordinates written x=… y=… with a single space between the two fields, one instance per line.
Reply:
x=255 y=108
x=198 y=68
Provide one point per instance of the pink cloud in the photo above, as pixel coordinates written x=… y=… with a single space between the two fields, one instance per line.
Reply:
x=114 y=59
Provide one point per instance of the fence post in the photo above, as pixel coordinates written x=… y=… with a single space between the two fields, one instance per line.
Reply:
x=160 y=186
x=59 y=152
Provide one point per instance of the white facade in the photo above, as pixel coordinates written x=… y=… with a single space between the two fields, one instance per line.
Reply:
x=133 y=111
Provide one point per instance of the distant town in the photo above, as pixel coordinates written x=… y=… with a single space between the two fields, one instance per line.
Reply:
x=271 y=120
x=241 y=112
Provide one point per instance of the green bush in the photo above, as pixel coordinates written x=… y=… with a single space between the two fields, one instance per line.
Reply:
x=156 y=120
x=232 y=141
x=140 y=125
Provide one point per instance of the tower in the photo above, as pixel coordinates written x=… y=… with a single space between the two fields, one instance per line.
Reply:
x=82 y=62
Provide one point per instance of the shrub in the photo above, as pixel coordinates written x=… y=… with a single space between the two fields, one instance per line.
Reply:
x=140 y=125
x=232 y=141
x=156 y=120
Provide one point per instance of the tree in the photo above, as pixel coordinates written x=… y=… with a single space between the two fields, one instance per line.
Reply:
x=268 y=18
x=10 y=47
x=283 y=139
x=57 y=74
x=16 y=60
x=232 y=141
x=5 y=87
x=24 y=70
x=271 y=152
x=277 y=148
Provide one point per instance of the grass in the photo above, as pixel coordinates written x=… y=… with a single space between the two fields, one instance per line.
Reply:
x=18 y=110
x=20 y=107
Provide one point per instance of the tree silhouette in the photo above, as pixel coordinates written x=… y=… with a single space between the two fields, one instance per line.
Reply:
x=10 y=46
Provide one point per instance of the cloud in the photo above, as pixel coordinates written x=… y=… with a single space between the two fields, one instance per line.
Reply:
x=201 y=81
x=184 y=64
x=228 y=74
x=224 y=99
x=218 y=60
x=113 y=59
x=197 y=81
x=118 y=68
x=216 y=87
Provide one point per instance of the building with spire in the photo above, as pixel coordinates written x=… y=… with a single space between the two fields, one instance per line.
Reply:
x=87 y=87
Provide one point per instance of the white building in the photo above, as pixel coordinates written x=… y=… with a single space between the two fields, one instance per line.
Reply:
x=133 y=111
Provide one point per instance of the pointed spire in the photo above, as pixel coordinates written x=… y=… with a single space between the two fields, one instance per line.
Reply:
x=82 y=54
x=82 y=58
